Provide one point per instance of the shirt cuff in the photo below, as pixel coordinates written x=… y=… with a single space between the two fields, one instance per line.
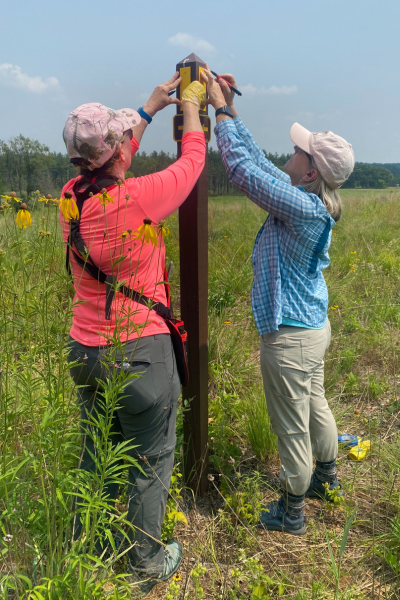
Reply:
x=225 y=126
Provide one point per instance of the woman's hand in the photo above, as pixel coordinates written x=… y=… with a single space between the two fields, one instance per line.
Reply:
x=215 y=96
x=159 y=99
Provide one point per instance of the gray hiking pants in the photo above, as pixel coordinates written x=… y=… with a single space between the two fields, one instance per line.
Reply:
x=292 y=366
x=147 y=417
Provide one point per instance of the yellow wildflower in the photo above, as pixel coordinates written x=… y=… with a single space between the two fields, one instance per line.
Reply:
x=105 y=198
x=353 y=252
x=177 y=577
x=123 y=235
x=68 y=207
x=12 y=196
x=227 y=322
x=162 y=229
x=47 y=198
x=147 y=233
x=180 y=517
x=24 y=218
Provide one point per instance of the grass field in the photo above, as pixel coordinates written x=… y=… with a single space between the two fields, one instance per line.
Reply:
x=226 y=557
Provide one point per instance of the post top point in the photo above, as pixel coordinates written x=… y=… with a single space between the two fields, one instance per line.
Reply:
x=190 y=59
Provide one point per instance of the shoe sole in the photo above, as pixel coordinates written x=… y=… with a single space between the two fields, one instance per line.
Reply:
x=282 y=529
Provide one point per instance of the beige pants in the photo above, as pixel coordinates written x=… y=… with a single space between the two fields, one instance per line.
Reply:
x=292 y=366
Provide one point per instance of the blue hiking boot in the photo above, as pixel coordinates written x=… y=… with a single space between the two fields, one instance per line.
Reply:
x=318 y=489
x=274 y=517
x=142 y=584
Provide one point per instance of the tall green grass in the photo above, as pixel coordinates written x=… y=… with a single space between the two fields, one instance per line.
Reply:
x=40 y=424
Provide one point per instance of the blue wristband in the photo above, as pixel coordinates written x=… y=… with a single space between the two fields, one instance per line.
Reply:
x=144 y=115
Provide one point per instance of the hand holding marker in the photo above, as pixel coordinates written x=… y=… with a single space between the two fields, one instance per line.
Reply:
x=218 y=77
x=227 y=82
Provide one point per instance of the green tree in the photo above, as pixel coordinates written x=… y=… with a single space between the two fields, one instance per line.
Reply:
x=369 y=176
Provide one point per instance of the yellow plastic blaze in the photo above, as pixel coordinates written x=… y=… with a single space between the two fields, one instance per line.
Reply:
x=185 y=73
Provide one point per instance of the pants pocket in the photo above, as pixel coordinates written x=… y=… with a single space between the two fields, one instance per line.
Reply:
x=328 y=334
x=289 y=416
x=167 y=421
x=140 y=393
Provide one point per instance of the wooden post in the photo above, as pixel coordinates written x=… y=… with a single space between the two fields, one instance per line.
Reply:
x=193 y=241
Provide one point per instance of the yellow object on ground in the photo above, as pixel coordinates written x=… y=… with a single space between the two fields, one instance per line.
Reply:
x=195 y=93
x=359 y=452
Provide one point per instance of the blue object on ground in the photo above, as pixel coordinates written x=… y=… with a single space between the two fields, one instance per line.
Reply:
x=348 y=439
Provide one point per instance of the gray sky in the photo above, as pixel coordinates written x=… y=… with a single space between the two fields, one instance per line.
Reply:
x=326 y=64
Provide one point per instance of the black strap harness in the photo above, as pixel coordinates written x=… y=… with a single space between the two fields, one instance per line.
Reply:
x=85 y=261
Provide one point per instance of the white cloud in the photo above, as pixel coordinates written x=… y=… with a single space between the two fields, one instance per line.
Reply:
x=191 y=42
x=249 y=89
x=12 y=76
x=273 y=90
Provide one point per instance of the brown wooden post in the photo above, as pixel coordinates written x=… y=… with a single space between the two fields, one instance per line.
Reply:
x=193 y=241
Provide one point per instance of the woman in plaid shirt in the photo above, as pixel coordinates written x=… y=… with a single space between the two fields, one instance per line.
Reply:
x=289 y=295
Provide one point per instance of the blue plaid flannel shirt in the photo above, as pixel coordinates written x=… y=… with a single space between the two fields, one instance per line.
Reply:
x=291 y=248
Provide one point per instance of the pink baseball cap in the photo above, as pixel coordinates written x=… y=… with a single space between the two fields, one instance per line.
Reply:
x=93 y=132
x=333 y=156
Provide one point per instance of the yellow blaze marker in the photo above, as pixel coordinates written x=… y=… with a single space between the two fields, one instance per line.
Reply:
x=185 y=73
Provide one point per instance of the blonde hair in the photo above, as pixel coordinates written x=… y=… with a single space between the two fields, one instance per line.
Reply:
x=331 y=198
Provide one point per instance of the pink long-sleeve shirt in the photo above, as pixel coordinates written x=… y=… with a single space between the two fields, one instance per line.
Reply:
x=155 y=196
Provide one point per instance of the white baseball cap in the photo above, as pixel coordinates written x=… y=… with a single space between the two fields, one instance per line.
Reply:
x=333 y=156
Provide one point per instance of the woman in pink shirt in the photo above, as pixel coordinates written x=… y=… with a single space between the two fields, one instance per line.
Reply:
x=102 y=142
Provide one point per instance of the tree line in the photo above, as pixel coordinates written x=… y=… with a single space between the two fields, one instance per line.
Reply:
x=366 y=175
x=27 y=165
